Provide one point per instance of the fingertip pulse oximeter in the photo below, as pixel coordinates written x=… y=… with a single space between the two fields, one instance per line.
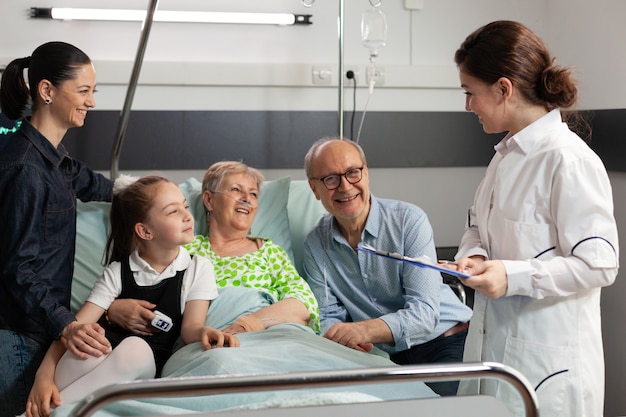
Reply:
x=161 y=321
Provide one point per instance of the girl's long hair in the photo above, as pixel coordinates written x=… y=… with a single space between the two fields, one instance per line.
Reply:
x=129 y=207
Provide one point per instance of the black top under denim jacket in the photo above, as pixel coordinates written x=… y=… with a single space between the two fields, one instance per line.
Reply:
x=39 y=185
x=166 y=296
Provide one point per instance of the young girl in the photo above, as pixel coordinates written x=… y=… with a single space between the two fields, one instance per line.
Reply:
x=150 y=221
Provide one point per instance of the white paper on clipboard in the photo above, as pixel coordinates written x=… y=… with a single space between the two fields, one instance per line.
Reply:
x=421 y=261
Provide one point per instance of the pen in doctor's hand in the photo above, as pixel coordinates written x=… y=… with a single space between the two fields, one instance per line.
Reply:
x=444 y=262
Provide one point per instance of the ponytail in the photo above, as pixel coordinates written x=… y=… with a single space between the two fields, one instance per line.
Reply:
x=14 y=92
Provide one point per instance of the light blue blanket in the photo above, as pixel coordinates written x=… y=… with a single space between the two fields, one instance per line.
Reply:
x=279 y=349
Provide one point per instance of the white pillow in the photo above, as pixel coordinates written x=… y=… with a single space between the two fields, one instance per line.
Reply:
x=304 y=212
x=272 y=219
x=192 y=189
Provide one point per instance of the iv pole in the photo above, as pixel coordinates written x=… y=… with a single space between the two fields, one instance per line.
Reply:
x=130 y=93
x=340 y=74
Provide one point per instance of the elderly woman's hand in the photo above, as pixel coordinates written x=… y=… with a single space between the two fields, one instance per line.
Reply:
x=288 y=310
x=244 y=324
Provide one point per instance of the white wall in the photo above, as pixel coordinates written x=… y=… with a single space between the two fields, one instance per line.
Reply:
x=591 y=36
x=231 y=67
x=216 y=64
x=419 y=71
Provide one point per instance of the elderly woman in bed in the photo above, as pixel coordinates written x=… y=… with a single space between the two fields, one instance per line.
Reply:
x=230 y=193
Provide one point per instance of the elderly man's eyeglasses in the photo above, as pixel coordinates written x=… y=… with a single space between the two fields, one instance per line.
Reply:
x=333 y=181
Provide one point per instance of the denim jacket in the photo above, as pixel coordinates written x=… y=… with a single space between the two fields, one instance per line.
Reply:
x=39 y=185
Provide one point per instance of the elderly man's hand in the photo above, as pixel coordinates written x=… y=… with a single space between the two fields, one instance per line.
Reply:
x=351 y=335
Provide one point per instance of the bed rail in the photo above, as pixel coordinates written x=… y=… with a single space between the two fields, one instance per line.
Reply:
x=231 y=384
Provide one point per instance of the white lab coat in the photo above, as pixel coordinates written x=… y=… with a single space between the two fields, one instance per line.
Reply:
x=545 y=208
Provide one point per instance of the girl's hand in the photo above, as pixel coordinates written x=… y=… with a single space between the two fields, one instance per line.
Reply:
x=212 y=336
x=44 y=396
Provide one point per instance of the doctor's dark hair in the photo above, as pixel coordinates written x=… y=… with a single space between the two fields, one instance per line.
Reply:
x=312 y=152
x=53 y=61
x=129 y=207
x=509 y=49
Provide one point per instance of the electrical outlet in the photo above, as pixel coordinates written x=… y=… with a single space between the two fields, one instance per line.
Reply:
x=377 y=73
x=322 y=75
x=355 y=73
x=414 y=4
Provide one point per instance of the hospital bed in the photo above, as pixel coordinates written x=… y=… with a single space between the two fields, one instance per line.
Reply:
x=285 y=370
x=285 y=365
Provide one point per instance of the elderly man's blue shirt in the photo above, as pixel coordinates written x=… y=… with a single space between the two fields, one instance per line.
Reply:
x=354 y=286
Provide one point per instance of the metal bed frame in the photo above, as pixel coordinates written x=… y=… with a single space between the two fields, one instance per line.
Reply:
x=233 y=384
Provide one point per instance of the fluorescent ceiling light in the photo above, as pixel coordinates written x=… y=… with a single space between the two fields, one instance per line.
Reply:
x=124 y=15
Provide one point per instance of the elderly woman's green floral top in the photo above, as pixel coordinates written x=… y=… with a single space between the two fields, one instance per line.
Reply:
x=267 y=269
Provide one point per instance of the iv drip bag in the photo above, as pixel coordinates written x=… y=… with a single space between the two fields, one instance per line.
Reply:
x=374 y=30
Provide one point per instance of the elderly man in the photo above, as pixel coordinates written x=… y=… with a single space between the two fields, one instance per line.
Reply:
x=364 y=299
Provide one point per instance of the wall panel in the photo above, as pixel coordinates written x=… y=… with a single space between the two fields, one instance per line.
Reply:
x=188 y=140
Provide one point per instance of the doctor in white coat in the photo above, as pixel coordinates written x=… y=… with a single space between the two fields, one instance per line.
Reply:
x=541 y=239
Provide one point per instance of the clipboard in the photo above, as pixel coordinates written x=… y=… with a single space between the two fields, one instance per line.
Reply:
x=421 y=261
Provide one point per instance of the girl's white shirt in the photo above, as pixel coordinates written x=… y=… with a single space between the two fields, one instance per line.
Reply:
x=198 y=281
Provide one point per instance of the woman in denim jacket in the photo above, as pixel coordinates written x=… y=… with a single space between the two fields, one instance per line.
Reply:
x=39 y=184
